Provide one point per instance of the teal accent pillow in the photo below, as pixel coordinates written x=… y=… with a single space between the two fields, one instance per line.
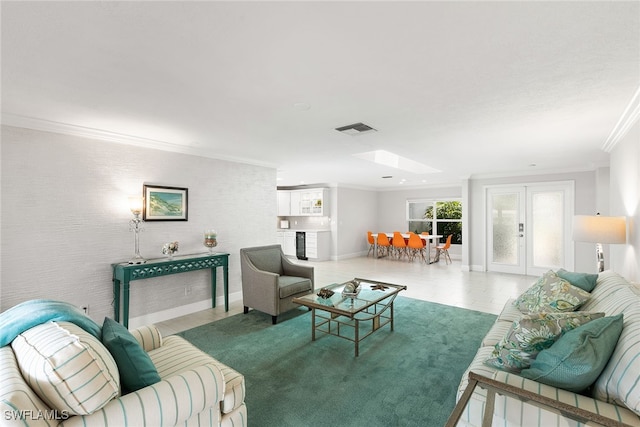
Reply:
x=134 y=364
x=576 y=360
x=584 y=281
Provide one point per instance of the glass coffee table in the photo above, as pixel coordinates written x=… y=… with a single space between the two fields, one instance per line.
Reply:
x=351 y=315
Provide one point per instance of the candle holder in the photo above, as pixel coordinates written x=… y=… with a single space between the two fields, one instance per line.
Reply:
x=210 y=239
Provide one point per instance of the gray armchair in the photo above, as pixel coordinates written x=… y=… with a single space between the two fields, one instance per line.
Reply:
x=270 y=280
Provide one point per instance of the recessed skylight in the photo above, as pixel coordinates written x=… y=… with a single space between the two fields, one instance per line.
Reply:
x=386 y=158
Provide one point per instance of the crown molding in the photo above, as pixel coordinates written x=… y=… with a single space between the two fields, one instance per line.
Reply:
x=43 y=125
x=627 y=120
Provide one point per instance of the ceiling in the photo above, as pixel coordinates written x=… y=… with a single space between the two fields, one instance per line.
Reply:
x=469 y=89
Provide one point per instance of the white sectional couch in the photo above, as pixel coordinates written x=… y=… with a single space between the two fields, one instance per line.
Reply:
x=59 y=373
x=614 y=395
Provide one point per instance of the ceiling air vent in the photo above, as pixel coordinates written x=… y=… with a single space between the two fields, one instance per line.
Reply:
x=355 y=129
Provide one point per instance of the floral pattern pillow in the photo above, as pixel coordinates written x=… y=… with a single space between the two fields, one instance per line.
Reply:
x=531 y=334
x=551 y=294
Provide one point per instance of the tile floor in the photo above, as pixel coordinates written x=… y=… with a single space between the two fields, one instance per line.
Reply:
x=439 y=282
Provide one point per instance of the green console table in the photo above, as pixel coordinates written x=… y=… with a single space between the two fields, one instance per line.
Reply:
x=124 y=273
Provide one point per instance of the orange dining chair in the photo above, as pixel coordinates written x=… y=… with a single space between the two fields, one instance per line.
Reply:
x=416 y=246
x=384 y=244
x=444 y=249
x=399 y=245
x=372 y=242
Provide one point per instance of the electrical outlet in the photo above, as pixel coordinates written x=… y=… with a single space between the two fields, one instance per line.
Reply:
x=85 y=308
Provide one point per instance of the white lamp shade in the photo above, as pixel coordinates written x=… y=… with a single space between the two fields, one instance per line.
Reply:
x=599 y=229
x=135 y=204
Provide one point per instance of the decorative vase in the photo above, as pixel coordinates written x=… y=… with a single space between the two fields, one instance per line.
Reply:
x=210 y=239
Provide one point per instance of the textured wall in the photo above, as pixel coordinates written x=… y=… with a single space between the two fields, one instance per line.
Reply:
x=65 y=219
x=625 y=201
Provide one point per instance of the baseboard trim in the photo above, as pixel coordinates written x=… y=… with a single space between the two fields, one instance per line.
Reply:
x=183 y=310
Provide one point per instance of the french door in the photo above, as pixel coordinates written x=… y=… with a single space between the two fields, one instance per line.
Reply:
x=529 y=227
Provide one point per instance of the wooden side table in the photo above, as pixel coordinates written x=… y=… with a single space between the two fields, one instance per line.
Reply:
x=124 y=273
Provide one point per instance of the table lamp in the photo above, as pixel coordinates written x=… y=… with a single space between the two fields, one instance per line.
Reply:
x=135 y=225
x=599 y=229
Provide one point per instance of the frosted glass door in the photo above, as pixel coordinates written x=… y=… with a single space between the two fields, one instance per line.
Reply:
x=550 y=209
x=505 y=230
x=528 y=228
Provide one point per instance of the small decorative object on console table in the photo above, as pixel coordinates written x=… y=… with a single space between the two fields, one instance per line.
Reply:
x=169 y=249
x=135 y=225
x=210 y=239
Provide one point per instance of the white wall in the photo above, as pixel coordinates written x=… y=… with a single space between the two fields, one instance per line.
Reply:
x=356 y=214
x=65 y=219
x=625 y=201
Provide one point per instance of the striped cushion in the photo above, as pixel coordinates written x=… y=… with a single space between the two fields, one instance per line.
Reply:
x=148 y=336
x=472 y=414
x=510 y=312
x=67 y=367
x=177 y=355
x=512 y=412
x=619 y=382
x=496 y=333
x=16 y=395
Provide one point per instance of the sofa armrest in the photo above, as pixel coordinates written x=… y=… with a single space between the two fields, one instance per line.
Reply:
x=149 y=337
x=259 y=288
x=171 y=401
x=256 y=279
x=609 y=414
x=19 y=405
x=298 y=270
x=514 y=391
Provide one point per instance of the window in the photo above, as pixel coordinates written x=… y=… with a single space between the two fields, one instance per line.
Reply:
x=445 y=216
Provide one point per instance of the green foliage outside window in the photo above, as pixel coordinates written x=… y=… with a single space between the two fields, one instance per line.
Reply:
x=448 y=218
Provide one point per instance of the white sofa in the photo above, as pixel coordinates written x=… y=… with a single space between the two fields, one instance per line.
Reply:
x=616 y=392
x=193 y=388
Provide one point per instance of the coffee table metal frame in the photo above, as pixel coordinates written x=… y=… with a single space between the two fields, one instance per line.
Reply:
x=339 y=314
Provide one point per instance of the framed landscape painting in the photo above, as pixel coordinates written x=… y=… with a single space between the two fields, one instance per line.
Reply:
x=165 y=203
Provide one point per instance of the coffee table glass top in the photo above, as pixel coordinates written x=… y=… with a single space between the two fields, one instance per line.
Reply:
x=371 y=292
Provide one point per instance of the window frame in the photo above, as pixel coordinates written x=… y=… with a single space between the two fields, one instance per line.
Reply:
x=434 y=221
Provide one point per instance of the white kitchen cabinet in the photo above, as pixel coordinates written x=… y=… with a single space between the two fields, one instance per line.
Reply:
x=295 y=203
x=307 y=202
x=284 y=203
x=289 y=247
x=318 y=245
x=313 y=202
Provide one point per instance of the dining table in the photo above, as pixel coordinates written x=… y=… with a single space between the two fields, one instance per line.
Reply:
x=426 y=237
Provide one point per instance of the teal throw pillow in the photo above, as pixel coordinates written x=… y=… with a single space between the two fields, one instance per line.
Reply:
x=134 y=364
x=576 y=360
x=584 y=281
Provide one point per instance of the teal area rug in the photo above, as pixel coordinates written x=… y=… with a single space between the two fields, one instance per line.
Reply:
x=405 y=377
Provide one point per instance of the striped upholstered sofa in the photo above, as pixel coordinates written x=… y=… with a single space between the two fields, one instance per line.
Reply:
x=60 y=370
x=615 y=393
